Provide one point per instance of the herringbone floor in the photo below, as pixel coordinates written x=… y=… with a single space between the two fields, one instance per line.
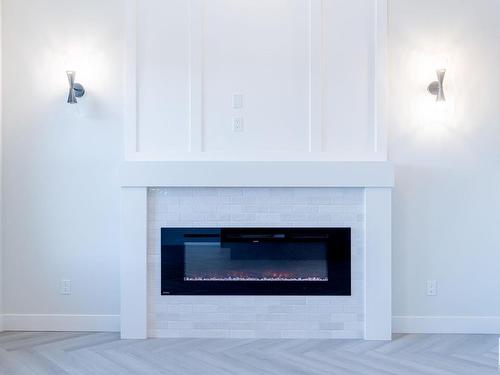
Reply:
x=103 y=353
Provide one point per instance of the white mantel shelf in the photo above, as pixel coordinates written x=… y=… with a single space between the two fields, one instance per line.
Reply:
x=256 y=174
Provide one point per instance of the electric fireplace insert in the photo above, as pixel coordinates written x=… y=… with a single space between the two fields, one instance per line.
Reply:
x=256 y=261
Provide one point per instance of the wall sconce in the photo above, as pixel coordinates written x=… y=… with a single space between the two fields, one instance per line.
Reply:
x=76 y=90
x=437 y=87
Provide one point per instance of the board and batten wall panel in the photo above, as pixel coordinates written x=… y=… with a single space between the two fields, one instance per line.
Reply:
x=259 y=49
x=307 y=70
x=348 y=76
x=163 y=75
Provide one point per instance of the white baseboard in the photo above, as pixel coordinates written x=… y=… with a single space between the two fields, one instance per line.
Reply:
x=447 y=324
x=111 y=323
x=55 y=322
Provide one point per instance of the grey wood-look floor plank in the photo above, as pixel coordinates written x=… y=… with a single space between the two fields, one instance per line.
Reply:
x=37 y=363
x=403 y=365
x=362 y=365
x=169 y=363
x=9 y=365
x=69 y=353
x=319 y=367
x=95 y=363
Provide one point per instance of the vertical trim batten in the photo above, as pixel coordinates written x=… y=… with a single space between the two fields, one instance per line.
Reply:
x=130 y=102
x=196 y=76
x=380 y=78
x=315 y=76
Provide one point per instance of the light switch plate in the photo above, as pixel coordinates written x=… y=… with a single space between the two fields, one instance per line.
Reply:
x=237 y=101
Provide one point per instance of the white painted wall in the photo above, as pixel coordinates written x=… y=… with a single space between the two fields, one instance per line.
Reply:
x=446 y=201
x=60 y=179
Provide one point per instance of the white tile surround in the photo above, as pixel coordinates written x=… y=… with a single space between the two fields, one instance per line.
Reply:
x=294 y=193
x=247 y=316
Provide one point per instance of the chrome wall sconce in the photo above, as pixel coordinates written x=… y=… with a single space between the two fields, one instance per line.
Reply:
x=76 y=90
x=437 y=87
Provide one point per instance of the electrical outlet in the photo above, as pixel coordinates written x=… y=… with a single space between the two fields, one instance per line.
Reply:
x=238 y=126
x=65 y=287
x=432 y=288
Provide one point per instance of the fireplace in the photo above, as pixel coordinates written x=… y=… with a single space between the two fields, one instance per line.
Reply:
x=256 y=261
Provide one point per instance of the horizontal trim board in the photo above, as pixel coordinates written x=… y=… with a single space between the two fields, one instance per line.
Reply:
x=257 y=156
x=447 y=324
x=257 y=174
x=61 y=323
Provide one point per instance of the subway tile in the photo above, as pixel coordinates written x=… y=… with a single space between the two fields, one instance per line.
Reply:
x=181 y=325
x=208 y=325
x=268 y=334
x=331 y=326
x=242 y=334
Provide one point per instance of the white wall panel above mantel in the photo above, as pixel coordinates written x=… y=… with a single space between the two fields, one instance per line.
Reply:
x=311 y=72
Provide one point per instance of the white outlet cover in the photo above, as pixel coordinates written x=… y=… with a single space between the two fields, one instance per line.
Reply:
x=238 y=125
x=431 y=287
x=65 y=287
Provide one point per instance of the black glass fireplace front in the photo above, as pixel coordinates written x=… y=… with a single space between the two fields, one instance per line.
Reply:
x=256 y=261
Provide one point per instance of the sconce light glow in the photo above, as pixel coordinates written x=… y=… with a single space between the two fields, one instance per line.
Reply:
x=76 y=90
x=431 y=107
